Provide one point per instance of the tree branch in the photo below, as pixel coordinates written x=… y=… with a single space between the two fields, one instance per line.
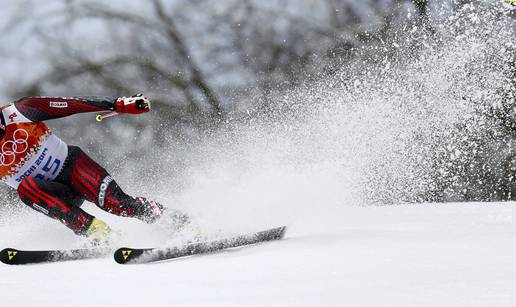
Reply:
x=197 y=76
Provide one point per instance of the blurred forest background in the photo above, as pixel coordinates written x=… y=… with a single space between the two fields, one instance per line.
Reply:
x=207 y=64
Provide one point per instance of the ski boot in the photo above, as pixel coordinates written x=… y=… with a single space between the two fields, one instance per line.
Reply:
x=152 y=212
x=98 y=232
x=148 y=210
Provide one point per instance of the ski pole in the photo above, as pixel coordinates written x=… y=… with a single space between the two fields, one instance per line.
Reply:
x=101 y=117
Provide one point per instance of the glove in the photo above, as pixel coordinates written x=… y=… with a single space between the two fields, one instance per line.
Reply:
x=136 y=104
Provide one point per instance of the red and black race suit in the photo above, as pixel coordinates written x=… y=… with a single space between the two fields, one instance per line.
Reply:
x=50 y=176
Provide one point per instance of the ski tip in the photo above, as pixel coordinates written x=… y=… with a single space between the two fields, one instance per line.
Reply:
x=278 y=233
x=8 y=255
x=282 y=231
x=124 y=255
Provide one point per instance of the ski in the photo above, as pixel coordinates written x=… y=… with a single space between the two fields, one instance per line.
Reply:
x=146 y=255
x=13 y=256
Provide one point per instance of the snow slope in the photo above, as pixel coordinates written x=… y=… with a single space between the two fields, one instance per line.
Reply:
x=406 y=255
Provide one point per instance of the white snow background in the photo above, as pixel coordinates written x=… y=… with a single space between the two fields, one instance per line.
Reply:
x=315 y=166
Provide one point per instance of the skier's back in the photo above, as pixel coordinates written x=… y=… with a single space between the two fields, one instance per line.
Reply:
x=55 y=178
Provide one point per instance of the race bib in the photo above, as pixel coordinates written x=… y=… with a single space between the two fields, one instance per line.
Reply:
x=46 y=164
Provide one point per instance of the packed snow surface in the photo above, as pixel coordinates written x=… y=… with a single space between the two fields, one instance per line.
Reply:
x=406 y=255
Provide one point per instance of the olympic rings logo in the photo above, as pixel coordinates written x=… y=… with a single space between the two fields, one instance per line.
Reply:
x=11 y=148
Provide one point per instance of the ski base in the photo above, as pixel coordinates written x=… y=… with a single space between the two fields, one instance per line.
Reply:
x=146 y=255
x=13 y=256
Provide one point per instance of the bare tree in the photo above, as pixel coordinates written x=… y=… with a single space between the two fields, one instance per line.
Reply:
x=186 y=65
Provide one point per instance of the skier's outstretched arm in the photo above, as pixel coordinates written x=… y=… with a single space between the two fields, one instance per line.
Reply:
x=45 y=108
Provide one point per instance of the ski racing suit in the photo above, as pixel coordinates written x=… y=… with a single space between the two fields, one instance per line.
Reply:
x=55 y=178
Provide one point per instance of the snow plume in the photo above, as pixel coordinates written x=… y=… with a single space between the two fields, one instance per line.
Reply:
x=417 y=118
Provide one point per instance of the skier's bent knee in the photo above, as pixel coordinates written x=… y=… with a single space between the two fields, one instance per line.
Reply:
x=95 y=183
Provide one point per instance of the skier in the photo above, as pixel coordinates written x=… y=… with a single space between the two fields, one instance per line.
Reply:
x=55 y=178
